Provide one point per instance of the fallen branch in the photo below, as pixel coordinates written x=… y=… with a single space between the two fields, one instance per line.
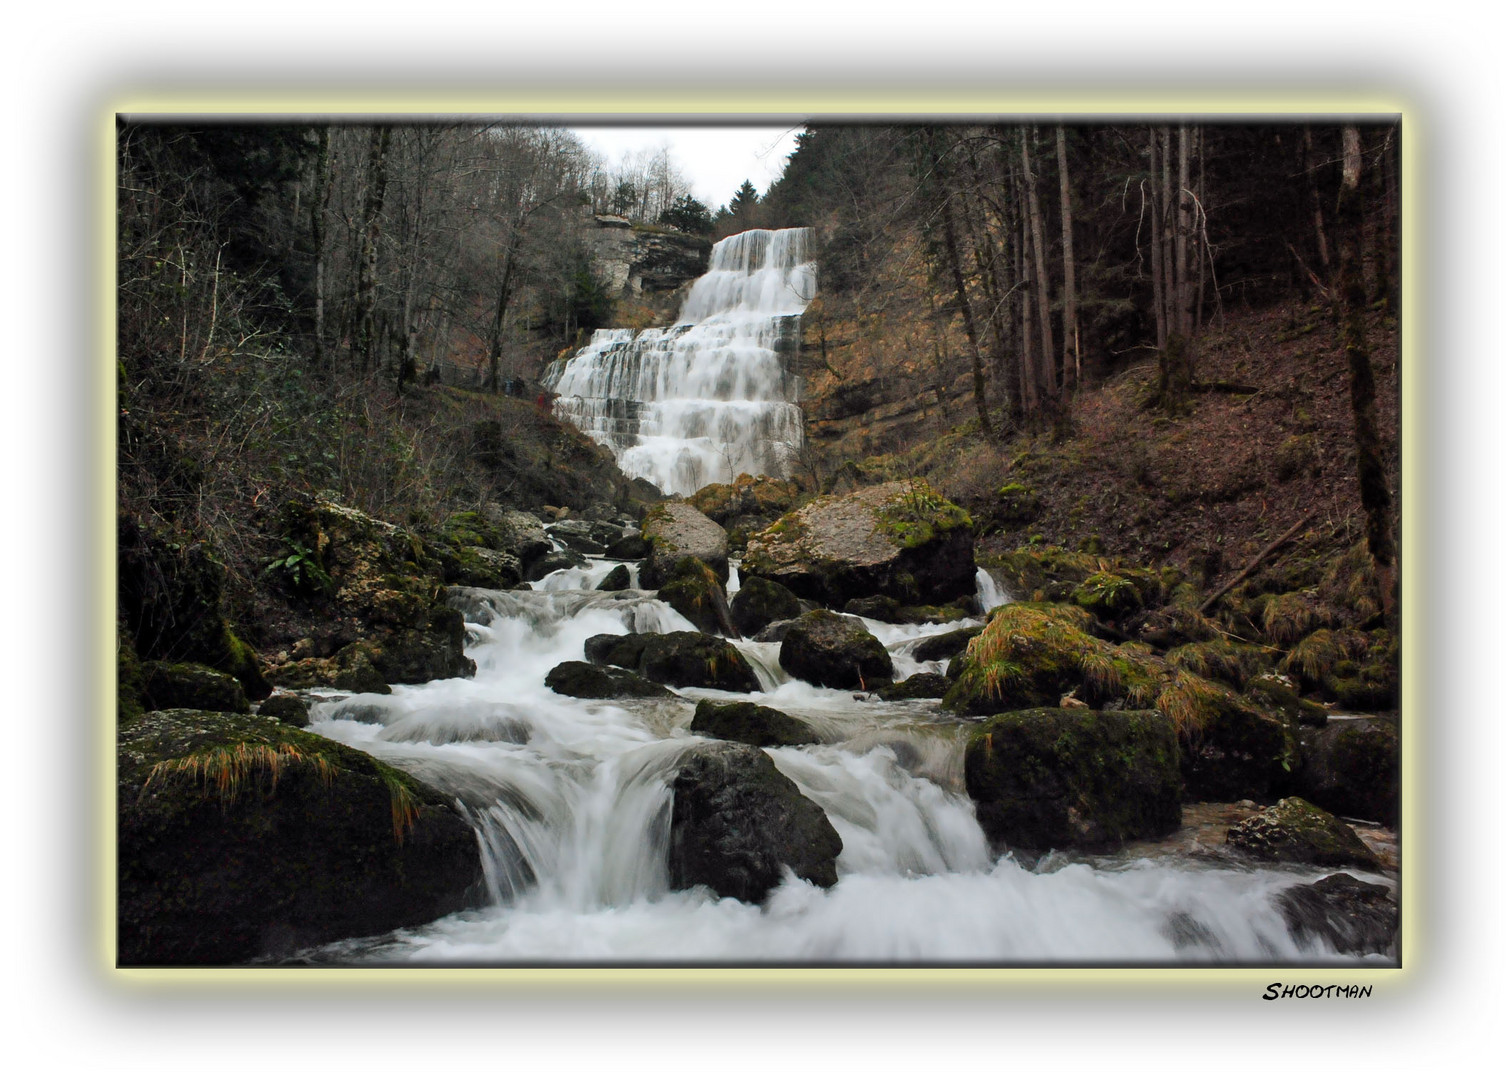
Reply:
x=1254 y=563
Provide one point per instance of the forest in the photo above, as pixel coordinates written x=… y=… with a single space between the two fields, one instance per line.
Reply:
x=1118 y=401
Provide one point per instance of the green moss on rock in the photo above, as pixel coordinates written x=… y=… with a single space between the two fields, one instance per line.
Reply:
x=1074 y=778
x=1294 y=830
x=237 y=838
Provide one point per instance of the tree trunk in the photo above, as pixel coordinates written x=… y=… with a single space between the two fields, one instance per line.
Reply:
x=1037 y=233
x=1070 y=345
x=1375 y=495
x=372 y=226
x=963 y=301
x=320 y=198
x=1157 y=250
x=1320 y=228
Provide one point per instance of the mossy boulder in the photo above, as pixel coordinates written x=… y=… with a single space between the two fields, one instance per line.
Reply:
x=1294 y=830
x=696 y=593
x=1276 y=692
x=1115 y=595
x=470 y=548
x=835 y=651
x=1234 y=750
x=553 y=561
x=684 y=658
x=1032 y=655
x=615 y=580
x=238 y=837
x=1346 y=914
x=880 y=608
x=171 y=595
x=1354 y=767
x=749 y=500
x=1074 y=778
x=191 y=686
x=760 y=603
x=386 y=587
x=945 y=646
x=737 y=823
x=676 y=530
x=749 y=723
x=350 y=669
x=923 y=685
x=633 y=546
x=579 y=679
x=285 y=708
x=902 y=540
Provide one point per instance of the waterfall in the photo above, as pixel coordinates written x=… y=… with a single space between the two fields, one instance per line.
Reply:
x=712 y=396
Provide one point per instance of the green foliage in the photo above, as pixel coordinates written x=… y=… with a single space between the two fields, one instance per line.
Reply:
x=688 y=215
x=920 y=514
x=300 y=567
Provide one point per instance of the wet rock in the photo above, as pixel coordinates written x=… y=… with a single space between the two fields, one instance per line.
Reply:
x=1238 y=753
x=190 y=686
x=945 y=646
x=675 y=530
x=553 y=561
x=759 y=603
x=737 y=822
x=900 y=540
x=239 y=838
x=1347 y=914
x=835 y=651
x=575 y=678
x=1294 y=830
x=696 y=593
x=580 y=536
x=685 y=658
x=925 y=684
x=615 y=580
x=1354 y=767
x=747 y=722
x=522 y=535
x=773 y=631
x=286 y=708
x=880 y=608
x=1074 y=778
x=633 y=546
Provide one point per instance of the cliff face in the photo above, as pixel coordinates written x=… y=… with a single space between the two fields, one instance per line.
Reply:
x=644 y=266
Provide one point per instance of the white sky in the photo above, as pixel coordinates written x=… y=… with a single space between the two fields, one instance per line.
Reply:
x=714 y=159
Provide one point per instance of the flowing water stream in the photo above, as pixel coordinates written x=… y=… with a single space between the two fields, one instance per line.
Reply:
x=570 y=802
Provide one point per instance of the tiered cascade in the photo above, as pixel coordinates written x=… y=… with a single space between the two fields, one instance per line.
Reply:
x=712 y=396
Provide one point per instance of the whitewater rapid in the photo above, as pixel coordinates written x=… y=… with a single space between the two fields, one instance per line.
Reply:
x=571 y=805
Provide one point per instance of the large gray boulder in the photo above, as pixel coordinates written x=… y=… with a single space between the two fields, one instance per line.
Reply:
x=737 y=822
x=674 y=531
x=902 y=540
x=240 y=836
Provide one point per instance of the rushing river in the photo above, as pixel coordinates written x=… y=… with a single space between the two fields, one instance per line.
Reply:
x=570 y=802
